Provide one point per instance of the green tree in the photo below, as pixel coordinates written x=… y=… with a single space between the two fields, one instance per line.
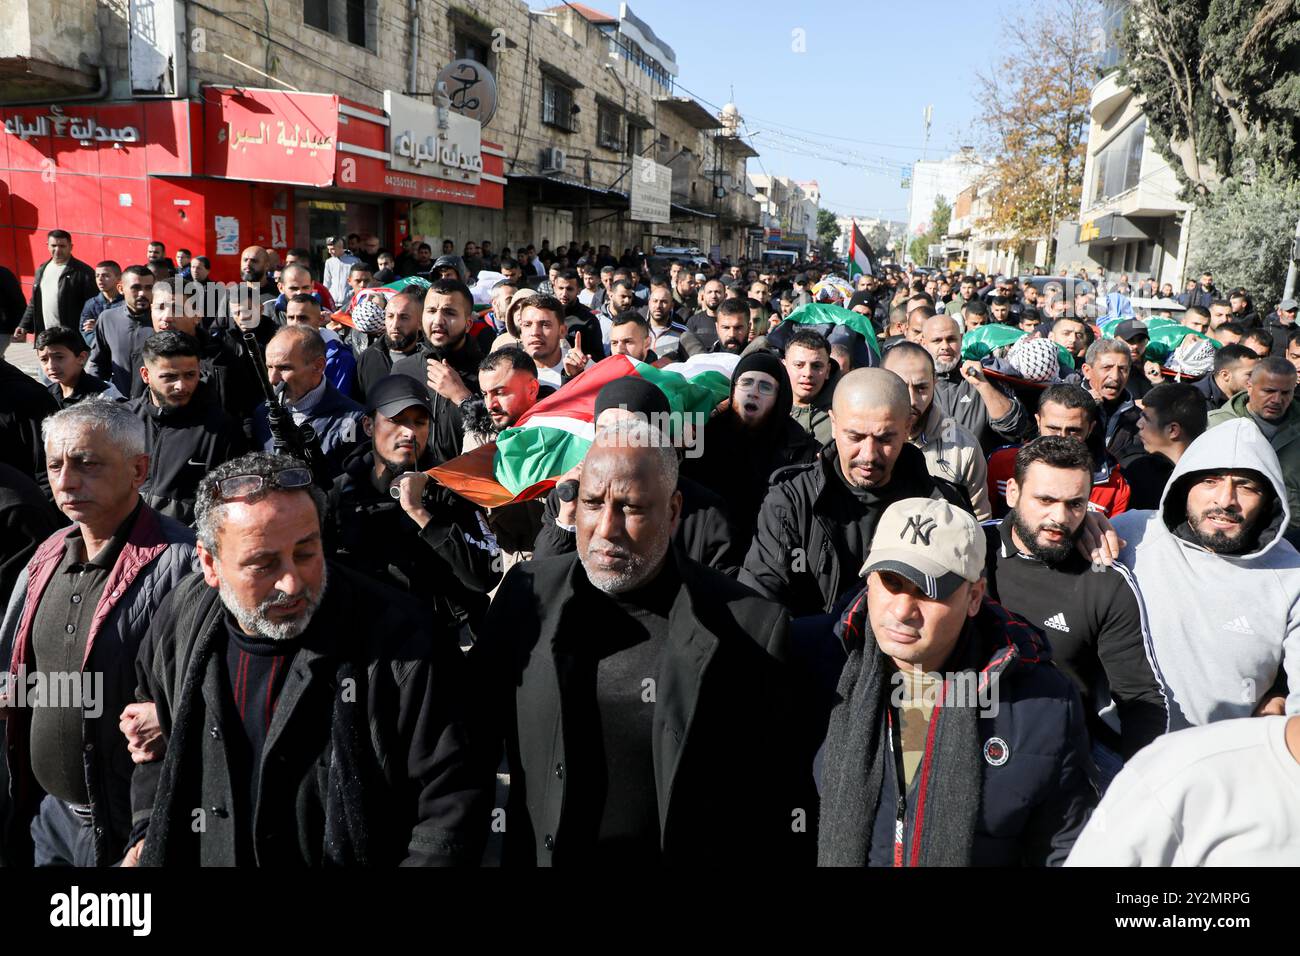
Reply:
x=1034 y=127
x=1243 y=232
x=1220 y=82
x=940 y=217
x=828 y=230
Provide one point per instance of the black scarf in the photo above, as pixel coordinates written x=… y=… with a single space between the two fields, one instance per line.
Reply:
x=857 y=758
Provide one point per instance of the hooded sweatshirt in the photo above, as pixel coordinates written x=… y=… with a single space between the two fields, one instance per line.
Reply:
x=1283 y=436
x=1223 y=627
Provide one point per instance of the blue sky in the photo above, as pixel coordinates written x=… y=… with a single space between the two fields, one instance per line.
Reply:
x=867 y=72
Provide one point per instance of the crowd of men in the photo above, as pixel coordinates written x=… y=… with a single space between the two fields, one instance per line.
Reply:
x=913 y=602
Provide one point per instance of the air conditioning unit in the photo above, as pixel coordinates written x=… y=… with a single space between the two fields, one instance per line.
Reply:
x=553 y=160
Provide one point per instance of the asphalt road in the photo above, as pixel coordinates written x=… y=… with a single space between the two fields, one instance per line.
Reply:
x=23 y=356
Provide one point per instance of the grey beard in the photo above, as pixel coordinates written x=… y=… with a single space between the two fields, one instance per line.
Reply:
x=255 y=619
x=943 y=368
x=637 y=573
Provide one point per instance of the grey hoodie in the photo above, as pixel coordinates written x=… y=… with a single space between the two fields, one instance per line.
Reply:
x=1222 y=627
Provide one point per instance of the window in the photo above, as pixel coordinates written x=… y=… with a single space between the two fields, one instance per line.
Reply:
x=470 y=46
x=356 y=21
x=608 y=132
x=1112 y=22
x=316 y=13
x=1118 y=167
x=557 y=104
x=635 y=136
x=350 y=20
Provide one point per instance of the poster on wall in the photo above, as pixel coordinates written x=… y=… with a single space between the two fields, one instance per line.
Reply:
x=279 y=232
x=651 y=192
x=227 y=229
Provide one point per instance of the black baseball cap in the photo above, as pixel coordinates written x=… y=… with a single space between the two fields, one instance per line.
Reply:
x=394 y=394
x=1132 y=329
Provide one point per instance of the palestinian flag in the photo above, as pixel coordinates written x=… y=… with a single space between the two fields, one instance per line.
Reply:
x=550 y=438
x=862 y=261
x=824 y=313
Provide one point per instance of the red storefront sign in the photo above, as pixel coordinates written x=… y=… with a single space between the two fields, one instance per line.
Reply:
x=363 y=164
x=270 y=137
x=120 y=139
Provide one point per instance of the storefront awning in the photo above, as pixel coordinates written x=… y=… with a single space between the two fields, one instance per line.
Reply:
x=557 y=188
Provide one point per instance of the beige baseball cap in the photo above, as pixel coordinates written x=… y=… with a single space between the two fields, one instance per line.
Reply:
x=930 y=543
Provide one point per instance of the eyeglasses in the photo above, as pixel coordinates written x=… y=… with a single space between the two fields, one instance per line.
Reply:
x=760 y=386
x=242 y=486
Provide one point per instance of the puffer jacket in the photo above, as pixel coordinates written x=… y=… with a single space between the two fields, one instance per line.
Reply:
x=1035 y=788
x=158 y=554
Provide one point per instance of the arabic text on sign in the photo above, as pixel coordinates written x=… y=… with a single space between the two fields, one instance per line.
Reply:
x=55 y=123
x=289 y=138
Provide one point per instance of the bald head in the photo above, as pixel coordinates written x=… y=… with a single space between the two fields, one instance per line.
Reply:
x=871 y=388
x=870 y=418
x=941 y=337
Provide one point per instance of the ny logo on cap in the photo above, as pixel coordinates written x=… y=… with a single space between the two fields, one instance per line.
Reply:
x=921 y=528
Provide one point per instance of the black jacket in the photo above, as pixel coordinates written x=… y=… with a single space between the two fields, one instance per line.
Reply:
x=1036 y=801
x=373 y=363
x=729 y=777
x=1091 y=618
x=1280 y=333
x=228 y=373
x=12 y=301
x=1147 y=476
x=704 y=533
x=804 y=555
x=1209 y=388
x=26 y=519
x=579 y=319
x=448 y=422
x=1121 y=430
x=87 y=386
x=76 y=285
x=184 y=445
x=385 y=782
x=24 y=404
x=241 y=383
x=450 y=565
x=737 y=462
x=120 y=334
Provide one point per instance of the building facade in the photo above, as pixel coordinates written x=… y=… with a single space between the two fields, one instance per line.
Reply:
x=1130 y=217
x=484 y=121
x=789 y=212
x=935 y=178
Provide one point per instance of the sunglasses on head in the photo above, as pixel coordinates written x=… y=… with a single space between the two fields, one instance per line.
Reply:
x=242 y=486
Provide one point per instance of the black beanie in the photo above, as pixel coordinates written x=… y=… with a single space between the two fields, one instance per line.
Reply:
x=759 y=361
x=632 y=393
x=768 y=362
x=861 y=297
